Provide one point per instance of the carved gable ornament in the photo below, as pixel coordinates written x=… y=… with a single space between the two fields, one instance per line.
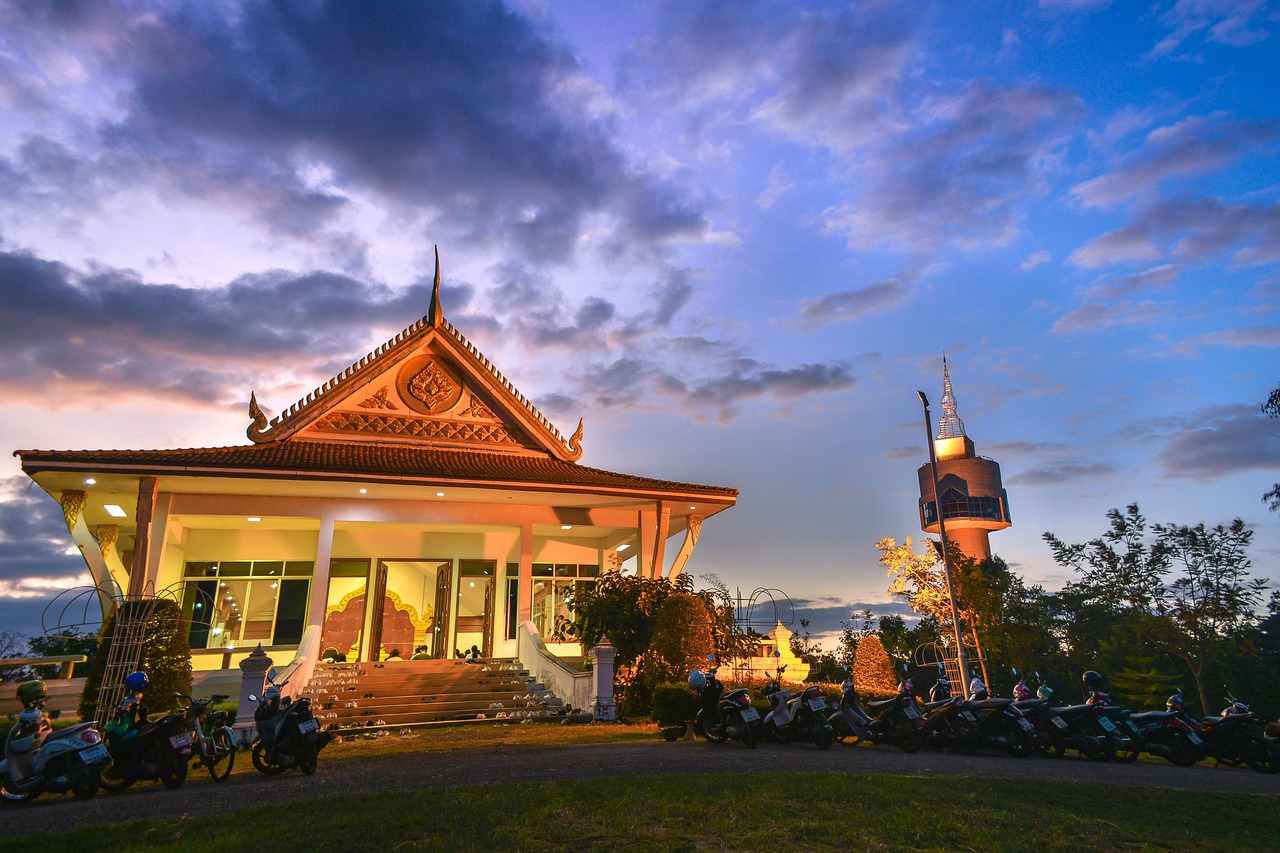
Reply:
x=429 y=385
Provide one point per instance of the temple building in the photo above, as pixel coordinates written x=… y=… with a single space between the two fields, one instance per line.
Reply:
x=417 y=499
x=974 y=501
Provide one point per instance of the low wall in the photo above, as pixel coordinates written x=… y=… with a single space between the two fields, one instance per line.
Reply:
x=573 y=687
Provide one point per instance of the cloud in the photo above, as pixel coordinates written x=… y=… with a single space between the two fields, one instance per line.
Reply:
x=1057 y=473
x=848 y=305
x=1195 y=145
x=1034 y=260
x=1193 y=229
x=37 y=556
x=466 y=115
x=1216 y=442
x=1236 y=23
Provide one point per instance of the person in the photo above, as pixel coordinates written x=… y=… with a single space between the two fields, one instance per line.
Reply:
x=395 y=655
x=473 y=654
x=977 y=689
x=420 y=653
x=131 y=714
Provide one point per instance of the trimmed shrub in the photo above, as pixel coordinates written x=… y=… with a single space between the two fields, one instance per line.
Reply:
x=166 y=659
x=674 y=704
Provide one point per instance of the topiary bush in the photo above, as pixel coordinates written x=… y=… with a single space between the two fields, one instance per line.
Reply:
x=166 y=659
x=674 y=704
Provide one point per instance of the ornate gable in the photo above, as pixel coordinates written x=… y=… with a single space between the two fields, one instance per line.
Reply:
x=428 y=385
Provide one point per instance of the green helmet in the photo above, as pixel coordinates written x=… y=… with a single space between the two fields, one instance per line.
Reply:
x=31 y=692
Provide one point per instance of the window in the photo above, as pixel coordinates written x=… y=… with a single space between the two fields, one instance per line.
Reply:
x=956 y=505
x=554 y=588
x=237 y=603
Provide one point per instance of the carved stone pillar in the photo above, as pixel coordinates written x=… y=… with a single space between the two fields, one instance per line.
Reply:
x=253 y=680
x=603 y=706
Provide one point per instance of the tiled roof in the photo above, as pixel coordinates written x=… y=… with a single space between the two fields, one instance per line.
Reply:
x=319 y=458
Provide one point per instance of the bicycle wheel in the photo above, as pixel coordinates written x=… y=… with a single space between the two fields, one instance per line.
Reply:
x=223 y=744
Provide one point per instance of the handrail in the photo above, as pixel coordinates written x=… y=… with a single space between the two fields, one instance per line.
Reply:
x=63 y=672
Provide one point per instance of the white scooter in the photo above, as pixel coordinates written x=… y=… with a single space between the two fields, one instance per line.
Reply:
x=796 y=715
x=38 y=759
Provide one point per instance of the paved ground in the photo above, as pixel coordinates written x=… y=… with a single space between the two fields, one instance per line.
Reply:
x=417 y=770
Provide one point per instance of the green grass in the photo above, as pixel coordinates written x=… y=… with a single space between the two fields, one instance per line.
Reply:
x=777 y=811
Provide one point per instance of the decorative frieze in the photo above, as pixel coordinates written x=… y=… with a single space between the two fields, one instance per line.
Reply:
x=360 y=423
x=379 y=400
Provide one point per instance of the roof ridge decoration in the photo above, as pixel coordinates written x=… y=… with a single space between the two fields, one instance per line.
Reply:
x=949 y=425
x=316 y=403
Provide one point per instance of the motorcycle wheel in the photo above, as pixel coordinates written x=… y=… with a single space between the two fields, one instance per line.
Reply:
x=224 y=755
x=10 y=794
x=111 y=778
x=1258 y=754
x=749 y=736
x=305 y=753
x=1055 y=748
x=1127 y=753
x=264 y=765
x=174 y=771
x=844 y=732
x=715 y=734
x=85 y=786
x=910 y=738
x=1183 y=753
x=1019 y=745
x=821 y=732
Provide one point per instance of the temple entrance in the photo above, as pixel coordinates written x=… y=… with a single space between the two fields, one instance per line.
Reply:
x=408 y=622
x=475 y=598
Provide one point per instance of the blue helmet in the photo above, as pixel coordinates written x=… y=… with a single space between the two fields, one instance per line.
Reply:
x=137 y=681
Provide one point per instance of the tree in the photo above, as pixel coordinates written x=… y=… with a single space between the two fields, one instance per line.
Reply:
x=873 y=673
x=1118 y=569
x=12 y=645
x=681 y=637
x=1214 y=597
x=53 y=646
x=165 y=658
x=1271 y=409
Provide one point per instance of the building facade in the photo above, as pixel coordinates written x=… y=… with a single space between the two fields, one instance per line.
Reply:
x=417 y=501
x=974 y=501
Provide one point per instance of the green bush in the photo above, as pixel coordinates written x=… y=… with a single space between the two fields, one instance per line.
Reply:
x=674 y=704
x=166 y=659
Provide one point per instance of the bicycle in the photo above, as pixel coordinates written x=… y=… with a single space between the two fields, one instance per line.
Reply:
x=212 y=736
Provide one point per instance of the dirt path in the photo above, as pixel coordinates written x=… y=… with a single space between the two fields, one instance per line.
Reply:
x=418 y=770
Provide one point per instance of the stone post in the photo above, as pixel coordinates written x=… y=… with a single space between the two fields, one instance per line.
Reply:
x=603 y=708
x=253 y=679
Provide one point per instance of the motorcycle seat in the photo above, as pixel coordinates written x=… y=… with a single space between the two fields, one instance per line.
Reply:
x=880 y=704
x=987 y=704
x=929 y=706
x=1028 y=706
x=734 y=694
x=1153 y=716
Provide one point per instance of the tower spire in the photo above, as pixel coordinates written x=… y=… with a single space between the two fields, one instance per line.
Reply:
x=950 y=425
x=434 y=312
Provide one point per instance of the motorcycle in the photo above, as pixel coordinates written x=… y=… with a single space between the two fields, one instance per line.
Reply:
x=288 y=732
x=1169 y=735
x=724 y=715
x=896 y=720
x=969 y=725
x=1232 y=737
x=214 y=741
x=155 y=750
x=796 y=715
x=38 y=759
x=1088 y=729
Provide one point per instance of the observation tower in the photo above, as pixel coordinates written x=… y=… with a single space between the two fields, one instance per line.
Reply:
x=974 y=501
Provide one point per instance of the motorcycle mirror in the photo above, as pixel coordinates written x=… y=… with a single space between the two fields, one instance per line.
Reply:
x=253 y=697
x=777 y=653
x=271 y=674
x=711 y=656
x=1015 y=670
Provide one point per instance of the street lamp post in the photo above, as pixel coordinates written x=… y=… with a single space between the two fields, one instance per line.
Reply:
x=946 y=552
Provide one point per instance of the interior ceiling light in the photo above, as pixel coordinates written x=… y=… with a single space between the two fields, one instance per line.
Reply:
x=566 y=527
x=364 y=491
x=115 y=511
x=439 y=494
x=624 y=546
x=89 y=481
x=253 y=518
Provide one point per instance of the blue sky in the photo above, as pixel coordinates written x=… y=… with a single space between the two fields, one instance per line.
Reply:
x=734 y=236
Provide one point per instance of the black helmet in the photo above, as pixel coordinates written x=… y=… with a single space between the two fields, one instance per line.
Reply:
x=1176 y=702
x=1091 y=680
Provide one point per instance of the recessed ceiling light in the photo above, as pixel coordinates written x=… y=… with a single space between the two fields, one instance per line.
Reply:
x=624 y=546
x=439 y=494
x=115 y=511
x=693 y=507
x=566 y=527
x=253 y=518
x=89 y=481
x=364 y=491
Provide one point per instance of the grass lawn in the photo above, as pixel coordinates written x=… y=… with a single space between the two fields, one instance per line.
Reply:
x=784 y=811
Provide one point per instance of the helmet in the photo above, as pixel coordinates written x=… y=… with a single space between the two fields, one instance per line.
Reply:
x=1091 y=680
x=137 y=681
x=1236 y=707
x=1021 y=691
x=905 y=686
x=1176 y=703
x=1044 y=691
x=697 y=680
x=31 y=692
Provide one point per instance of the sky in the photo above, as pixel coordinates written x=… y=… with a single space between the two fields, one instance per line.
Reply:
x=736 y=237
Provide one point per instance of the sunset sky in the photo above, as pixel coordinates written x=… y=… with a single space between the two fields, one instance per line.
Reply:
x=735 y=237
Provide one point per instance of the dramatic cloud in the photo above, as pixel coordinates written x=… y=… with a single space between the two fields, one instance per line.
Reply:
x=38 y=559
x=1061 y=472
x=1217 y=442
x=847 y=306
x=1229 y=22
x=1195 y=145
x=461 y=110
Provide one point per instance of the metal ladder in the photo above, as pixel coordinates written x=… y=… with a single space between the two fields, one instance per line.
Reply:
x=123 y=654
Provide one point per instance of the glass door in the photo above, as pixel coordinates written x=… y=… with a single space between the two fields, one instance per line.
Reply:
x=407 y=623
x=475 y=599
x=343 y=633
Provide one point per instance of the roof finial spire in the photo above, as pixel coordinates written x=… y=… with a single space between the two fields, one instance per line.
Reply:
x=950 y=425
x=434 y=312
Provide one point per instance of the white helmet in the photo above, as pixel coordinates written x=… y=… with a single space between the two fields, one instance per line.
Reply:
x=697 y=680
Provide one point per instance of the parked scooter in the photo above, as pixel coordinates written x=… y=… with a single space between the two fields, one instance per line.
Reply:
x=724 y=715
x=38 y=759
x=796 y=715
x=895 y=720
x=288 y=733
x=1168 y=733
x=1232 y=738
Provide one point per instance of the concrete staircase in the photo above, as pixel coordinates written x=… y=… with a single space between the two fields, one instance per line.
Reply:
x=418 y=694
